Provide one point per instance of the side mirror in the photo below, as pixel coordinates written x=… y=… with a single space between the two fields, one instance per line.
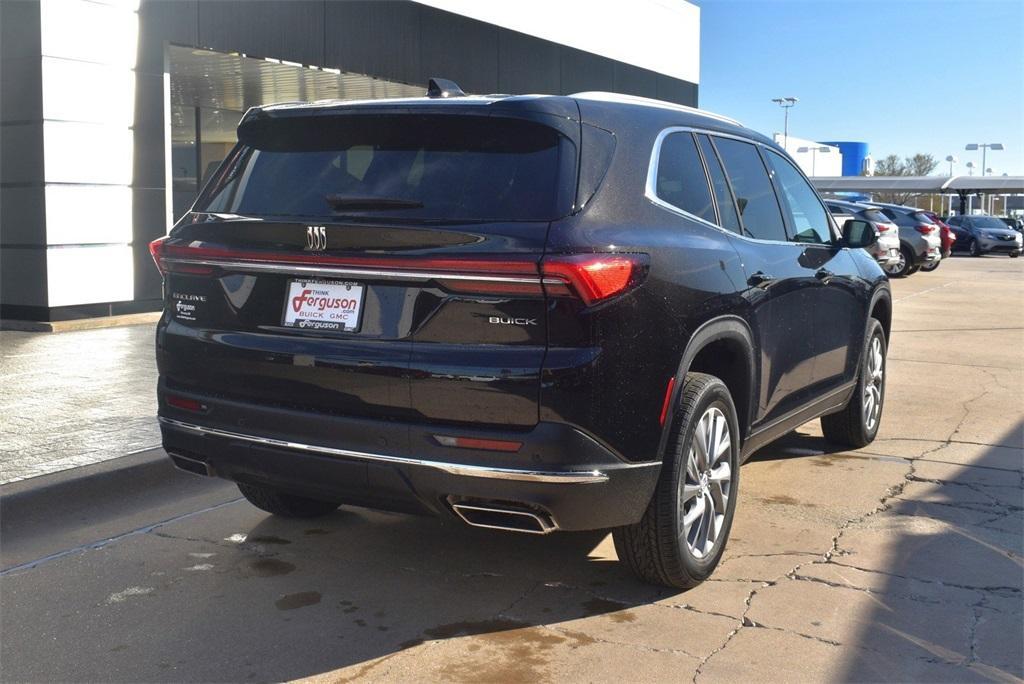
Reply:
x=858 y=234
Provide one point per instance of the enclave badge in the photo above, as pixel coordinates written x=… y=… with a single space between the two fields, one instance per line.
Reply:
x=316 y=238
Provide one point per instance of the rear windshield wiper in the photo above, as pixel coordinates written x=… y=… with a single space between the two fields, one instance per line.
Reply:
x=370 y=203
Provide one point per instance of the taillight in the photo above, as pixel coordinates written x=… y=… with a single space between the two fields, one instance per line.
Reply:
x=884 y=227
x=593 y=277
x=156 y=248
x=925 y=229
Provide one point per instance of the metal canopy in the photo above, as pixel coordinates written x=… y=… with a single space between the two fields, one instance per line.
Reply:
x=922 y=184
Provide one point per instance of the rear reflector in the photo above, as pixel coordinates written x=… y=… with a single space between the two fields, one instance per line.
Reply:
x=185 y=404
x=595 y=277
x=474 y=443
x=666 y=400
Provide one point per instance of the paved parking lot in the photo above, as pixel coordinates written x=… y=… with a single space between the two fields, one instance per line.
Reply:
x=901 y=561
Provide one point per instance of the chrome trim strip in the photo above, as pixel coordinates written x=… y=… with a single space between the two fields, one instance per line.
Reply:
x=651 y=186
x=462 y=469
x=331 y=271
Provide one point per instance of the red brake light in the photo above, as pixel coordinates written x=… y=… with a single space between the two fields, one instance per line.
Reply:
x=156 y=248
x=925 y=229
x=594 y=277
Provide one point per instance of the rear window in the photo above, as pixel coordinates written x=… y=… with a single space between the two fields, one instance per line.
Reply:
x=922 y=217
x=436 y=167
x=875 y=216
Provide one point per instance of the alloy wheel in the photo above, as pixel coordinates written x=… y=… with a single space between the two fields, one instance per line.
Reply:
x=707 y=485
x=873 y=384
x=898 y=267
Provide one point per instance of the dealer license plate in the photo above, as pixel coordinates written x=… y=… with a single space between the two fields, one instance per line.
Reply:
x=323 y=305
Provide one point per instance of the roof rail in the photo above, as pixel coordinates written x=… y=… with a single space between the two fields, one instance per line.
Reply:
x=649 y=102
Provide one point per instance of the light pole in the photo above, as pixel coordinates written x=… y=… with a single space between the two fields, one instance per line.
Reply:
x=785 y=103
x=824 y=149
x=952 y=160
x=970 y=168
x=985 y=147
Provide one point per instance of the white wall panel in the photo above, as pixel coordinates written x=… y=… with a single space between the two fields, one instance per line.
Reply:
x=83 y=91
x=83 y=214
x=90 y=31
x=87 y=153
x=89 y=275
x=660 y=35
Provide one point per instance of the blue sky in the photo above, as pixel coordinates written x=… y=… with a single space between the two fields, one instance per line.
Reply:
x=905 y=76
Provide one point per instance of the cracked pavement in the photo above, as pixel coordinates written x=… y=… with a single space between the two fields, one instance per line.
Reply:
x=898 y=562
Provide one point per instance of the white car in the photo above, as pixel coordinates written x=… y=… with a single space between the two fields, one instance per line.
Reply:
x=887 y=250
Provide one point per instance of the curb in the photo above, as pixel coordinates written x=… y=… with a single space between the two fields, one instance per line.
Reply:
x=81 y=507
x=81 y=323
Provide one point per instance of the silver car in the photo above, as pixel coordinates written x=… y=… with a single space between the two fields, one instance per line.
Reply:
x=920 y=242
x=887 y=250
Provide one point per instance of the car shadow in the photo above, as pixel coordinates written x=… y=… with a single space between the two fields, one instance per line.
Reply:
x=942 y=564
x=285 y=599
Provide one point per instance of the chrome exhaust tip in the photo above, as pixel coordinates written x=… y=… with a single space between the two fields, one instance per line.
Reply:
x=510 y=519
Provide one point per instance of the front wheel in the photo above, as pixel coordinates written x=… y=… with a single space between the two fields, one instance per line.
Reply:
x=856 y=425
x=683 y=532
x=975 y=249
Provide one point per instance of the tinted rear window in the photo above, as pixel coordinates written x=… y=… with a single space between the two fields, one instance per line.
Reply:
x=922 y=217
x=438 y=167
x=681 y=181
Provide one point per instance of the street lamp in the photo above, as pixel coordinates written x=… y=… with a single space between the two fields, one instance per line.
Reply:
x=970 y=168
x=985 y=147
x=785 y=103
x=952 y=160
x=825 y=149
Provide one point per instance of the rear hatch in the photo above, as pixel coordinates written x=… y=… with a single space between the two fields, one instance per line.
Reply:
x=372 y=263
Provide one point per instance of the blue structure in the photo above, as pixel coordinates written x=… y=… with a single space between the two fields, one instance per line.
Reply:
x=854 y=154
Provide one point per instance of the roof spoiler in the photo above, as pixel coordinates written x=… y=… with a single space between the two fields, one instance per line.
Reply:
x=442 y=87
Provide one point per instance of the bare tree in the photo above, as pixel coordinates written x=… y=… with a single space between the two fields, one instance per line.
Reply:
x=918 y=165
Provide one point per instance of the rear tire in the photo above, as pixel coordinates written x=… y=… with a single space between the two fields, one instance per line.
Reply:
x=682 y=535
x=929 y=267
x=285 y=505
x=856 y=425
x=904 y=266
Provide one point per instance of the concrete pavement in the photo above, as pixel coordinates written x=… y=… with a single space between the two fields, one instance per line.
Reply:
x=901 y=561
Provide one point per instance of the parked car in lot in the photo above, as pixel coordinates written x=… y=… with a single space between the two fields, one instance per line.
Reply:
x=982 y=234
x=530 y=313
x=947 y=238
x=920 y=244
x=1013 y=222
x=887 y=250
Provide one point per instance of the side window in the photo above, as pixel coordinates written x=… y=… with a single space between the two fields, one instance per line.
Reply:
x=730 y=220
x=810 y=222
x=681 y=180
x=755 y=196
x=836 y=210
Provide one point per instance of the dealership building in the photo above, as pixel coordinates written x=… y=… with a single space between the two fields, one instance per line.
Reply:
x=113 y=113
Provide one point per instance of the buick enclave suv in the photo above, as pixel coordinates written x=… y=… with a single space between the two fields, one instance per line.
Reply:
x=530 y=313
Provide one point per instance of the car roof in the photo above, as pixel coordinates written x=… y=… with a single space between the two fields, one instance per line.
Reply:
x=591 y=105
x=897 y=206
x=855 y=206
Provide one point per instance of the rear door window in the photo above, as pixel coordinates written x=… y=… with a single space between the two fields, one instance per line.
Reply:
x=680 y=178
x=401 y=166
x=728 y=217
x=807 y=215
x=755 y=197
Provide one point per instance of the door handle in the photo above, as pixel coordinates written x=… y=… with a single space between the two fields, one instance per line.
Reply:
x=759 y=278
x=824 y=275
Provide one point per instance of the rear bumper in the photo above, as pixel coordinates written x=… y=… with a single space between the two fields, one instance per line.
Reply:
x=559 y=472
